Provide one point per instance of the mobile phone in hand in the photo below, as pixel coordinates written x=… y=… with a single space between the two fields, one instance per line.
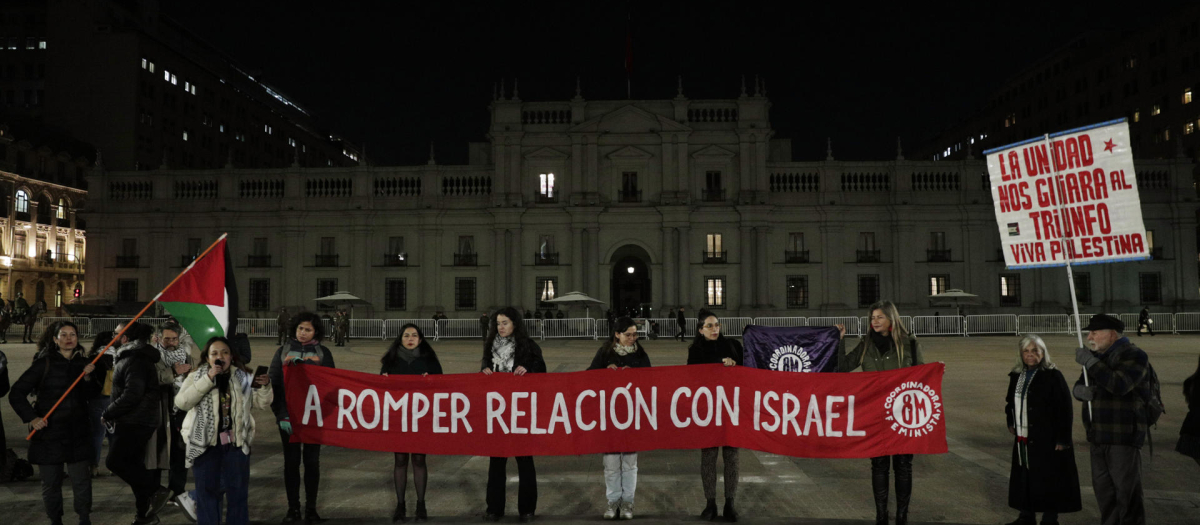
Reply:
x=260 y=371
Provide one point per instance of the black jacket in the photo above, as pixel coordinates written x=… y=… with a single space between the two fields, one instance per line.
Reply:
x=68 y=437
x=3 y=391
x=136 y=394
x=1191 y=423
x=706 y=352
x=292 y=348
x=606 y=356
x=1051 y=483
x=528 y=355
x=425 y=363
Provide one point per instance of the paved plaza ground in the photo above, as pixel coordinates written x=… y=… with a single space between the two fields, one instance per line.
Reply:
x=967 y=485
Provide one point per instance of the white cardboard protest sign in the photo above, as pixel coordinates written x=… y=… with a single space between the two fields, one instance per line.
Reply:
x=1069 y=198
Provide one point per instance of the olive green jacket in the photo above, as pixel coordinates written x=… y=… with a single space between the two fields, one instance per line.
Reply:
x=868 y=357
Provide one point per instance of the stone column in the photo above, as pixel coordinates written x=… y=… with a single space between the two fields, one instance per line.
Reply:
x=431 y=261
x=577 y=264
x=833 y=253
x=685 y=268
x=518 y=295
x=763 y=268
x=594 y=262
x=670 y=271
x=499 y=260
x=745 y=290
x=295 y=254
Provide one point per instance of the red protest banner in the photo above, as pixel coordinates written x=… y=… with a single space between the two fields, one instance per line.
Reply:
x=674 y=407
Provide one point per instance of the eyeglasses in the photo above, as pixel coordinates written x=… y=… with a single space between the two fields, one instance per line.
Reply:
x=712 y=325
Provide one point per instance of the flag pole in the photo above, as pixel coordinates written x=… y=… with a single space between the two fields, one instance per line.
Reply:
x=117 y=337
x=1060 y=194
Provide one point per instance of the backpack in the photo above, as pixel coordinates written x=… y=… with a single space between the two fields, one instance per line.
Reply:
x=13 y=468
x=1154 y=404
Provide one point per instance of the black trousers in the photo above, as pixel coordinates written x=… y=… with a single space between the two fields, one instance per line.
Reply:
x=293 y=453
x=177 y=478
x=127 y=459
x=81 y=486
x=527 y=489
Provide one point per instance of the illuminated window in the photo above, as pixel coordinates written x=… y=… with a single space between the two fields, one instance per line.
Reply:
x=1187 y=96
x=1010 y=290
x=1189 y=128
x=1137 y=115
x=1155 y=110
x=166 y=76
x=714 y=291
x=62 y=210
x=937 y=284
x=22 y=201
x=174 y=81
x=185 y=135
x=193 y=90
x=41 y=44
x=145 y=63
x=546 y=185
x=187 y=86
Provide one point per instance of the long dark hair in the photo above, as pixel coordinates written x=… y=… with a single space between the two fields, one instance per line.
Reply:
x=1191 y=392
x=308 y=317
x=46 y=342
x=698 y=338
x=621 y=324
x=98 y=344
x=234 y=358
x=520 y=334
x=392 y=357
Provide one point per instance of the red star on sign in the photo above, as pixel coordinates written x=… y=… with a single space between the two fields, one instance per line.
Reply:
x=1109 y=146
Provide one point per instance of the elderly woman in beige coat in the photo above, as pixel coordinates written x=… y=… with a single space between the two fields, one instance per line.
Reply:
x=218 y=430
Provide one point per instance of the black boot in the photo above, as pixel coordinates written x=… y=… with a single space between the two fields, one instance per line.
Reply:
x=421 y=515
x=400 y=512
x=729 y=514
x=710 y=510
x=311 y=516
x=293 y=516
x=903 y=488
x=879 y=485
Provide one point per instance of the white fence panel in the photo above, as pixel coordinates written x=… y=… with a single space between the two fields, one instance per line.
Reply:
x=83 y=323
x=369 y=328
x=567 y=328
x=735 y=326
x=1187 y=322
x=102 y=324
x=992 y=324
x=391 y=327
x=853 y=325
x=1160 y=322
x=939 y=325
x=668 y=327
x=258 y=327
x=780 y=322
x=459 y=329
x=534 y=328
x=1045 y=324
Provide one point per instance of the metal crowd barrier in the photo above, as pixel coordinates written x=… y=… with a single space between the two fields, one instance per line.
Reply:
x=1187 y=322
x=1044 y=324
x=258 y=327
x=780 y=322
x=992 y=324
x=460 y=329
x=853 y=325
x=568 y=328
x=939 y=325
x=428 y=327
x=367 y=328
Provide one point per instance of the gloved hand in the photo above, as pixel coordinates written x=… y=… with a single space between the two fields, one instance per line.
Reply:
x=1083 y=392
x=1085 y=357
x=286 y=426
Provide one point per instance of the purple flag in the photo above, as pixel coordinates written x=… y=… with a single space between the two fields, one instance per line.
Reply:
x=797 y=349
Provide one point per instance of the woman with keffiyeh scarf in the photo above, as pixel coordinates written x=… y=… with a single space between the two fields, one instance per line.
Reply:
x=621 y=351
x=509 y=350
x=1038 y=408
x=218 y=430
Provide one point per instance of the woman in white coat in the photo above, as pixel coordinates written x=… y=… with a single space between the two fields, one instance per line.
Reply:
x=218 y=431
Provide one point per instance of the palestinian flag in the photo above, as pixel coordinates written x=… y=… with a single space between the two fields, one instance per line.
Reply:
x=204 y=299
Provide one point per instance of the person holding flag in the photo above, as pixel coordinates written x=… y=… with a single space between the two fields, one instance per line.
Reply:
x=621 y=351
x=888 y=345
x=709 y=346
x=304 y=349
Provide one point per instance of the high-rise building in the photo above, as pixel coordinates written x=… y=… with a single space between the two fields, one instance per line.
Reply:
x=1150 y=75
x=148 y=93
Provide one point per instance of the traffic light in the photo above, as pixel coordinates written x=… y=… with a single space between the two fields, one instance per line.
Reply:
x=77 y=290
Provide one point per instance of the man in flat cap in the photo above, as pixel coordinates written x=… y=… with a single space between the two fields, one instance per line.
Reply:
x=1119 y=373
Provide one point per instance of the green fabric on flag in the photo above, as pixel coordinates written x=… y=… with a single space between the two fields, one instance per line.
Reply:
x=198 y=320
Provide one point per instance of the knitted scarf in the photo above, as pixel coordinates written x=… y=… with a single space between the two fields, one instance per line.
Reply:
x=1021 y=417
x=205 y=424
x=504 y=349
x=623 y=350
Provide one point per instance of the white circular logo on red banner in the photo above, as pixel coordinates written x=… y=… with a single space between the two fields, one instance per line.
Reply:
x=791 y=358
x=913 y=409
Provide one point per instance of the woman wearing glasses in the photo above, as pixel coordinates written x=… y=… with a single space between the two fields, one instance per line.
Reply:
x=710 y=347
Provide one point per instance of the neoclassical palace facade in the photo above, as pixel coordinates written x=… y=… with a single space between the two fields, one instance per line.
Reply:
x=653 y=204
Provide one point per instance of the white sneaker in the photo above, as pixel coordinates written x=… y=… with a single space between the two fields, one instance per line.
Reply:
x=611 y=513
x=626 y=511
x=187 y=504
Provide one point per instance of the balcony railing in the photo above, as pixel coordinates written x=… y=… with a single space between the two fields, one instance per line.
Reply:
x=937 y=255
x=795 y=257
x=715 y=257
x=630 y=196
x=542 y=198
x=713 y=195
x=258 y=261
x=868 y=256
x=545 y=259
x=466 y=259
x=327 y=260
x=395 y=259
x=127 y=261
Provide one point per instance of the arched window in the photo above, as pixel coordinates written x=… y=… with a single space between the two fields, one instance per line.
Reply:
x=62 y=208
x=39 y=292
x=18 y=287
x=22 y=201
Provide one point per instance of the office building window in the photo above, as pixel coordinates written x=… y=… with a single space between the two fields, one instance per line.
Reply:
x=714 y=291
x=546 y=185
x=1150 y=287
x=127 y=290
x=1010 y=290
x=937 y=284
x=868 y=289
x=326 y=287
x=260 y=294
x=714 y=243
x=464 y=293
x=797 y=291
x=395 y=294
x=547 y=288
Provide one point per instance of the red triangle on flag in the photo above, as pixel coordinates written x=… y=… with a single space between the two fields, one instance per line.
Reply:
x=204 y=283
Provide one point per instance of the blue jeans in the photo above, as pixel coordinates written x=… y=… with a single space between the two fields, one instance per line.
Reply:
x=223 y=468
x=96 y=409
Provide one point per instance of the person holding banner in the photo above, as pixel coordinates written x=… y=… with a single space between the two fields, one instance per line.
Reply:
x=888 y=345
x=621 y=351
x=1189 y=433
x=64 y=438
x=509 y=349
x=303 y=349
x=709 y=346
x=217 y=398
x=1038 y=409
x=410 y=354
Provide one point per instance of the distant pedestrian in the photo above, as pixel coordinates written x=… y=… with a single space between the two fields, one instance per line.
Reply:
x=680 y=324
x=410 y=354
x=509 y=350
x=710 y=346
x=282 y=323
x=1120 y=377
x=1189 y=434
x=1043 y=477
x=1145 y=320
x=483 y=324
x=621 y=351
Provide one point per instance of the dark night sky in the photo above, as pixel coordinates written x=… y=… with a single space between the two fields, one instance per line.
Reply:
x=396 y=74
